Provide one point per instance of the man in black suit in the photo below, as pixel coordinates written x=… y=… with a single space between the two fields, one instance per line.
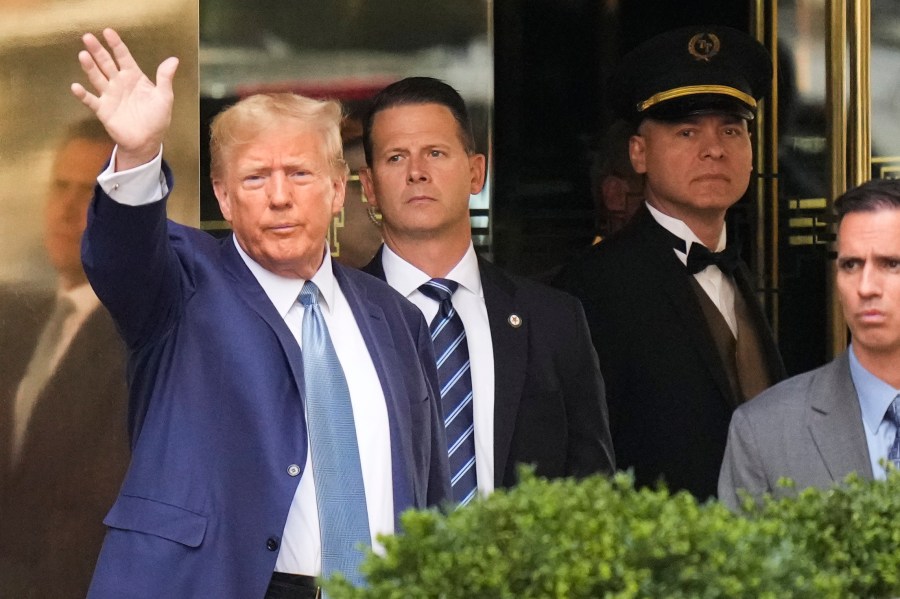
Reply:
x=63 y=447
x=536 y=395
x=681 y=338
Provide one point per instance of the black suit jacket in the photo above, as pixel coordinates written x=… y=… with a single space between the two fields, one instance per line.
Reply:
x=668 y=393
x=549 y=399
x=52 y=502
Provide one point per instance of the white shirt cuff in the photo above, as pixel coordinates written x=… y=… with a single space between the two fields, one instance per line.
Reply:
x=137 y=186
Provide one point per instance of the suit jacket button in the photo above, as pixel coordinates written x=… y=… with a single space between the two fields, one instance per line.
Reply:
x=272 y=543
x=293 y=469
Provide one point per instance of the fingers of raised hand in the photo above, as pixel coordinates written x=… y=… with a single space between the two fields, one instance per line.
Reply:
x=87 y=98
x=165 y=73
x=96 y=57
x=97 y=78
x=120 y=51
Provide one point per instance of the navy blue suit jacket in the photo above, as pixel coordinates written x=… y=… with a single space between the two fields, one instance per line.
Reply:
x=216 y=411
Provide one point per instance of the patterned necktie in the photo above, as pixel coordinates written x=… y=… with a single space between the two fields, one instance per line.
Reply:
x=39 y=371
x=340 y=495
x=893 y=416
x=455 y=378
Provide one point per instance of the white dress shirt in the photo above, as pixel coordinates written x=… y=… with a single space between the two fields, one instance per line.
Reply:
x=300 y=551
x=875 y=397
x=717 y=286
x=468 y=300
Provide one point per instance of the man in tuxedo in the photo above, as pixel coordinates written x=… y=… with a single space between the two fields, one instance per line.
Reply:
x=528 y=389
x=257 y=464
x=681 y=338
x=818 y=427
x=63 y=446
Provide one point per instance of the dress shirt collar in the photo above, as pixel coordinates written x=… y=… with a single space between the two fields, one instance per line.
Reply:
x=82 y=297
x=682 y=231
x=283 y=291
x=874 y=394
x=406 y=278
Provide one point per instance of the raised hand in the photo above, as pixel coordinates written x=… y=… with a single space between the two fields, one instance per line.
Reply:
x=135 y=111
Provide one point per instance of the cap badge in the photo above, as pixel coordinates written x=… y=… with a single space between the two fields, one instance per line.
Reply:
x=704 y=46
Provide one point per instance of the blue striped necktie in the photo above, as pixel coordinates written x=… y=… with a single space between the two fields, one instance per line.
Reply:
x=340 y=495
x=893 y=415
x=455 y=378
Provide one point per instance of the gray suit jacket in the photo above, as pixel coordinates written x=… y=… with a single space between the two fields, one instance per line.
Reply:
x=808 y=428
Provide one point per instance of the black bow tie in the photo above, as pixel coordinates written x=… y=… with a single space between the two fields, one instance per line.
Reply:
x=700 y=257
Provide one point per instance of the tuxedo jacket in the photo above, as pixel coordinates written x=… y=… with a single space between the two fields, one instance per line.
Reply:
x=73 y=457
x=549 y=400
x=808 y=428
x=216 y=409
x=668 y=393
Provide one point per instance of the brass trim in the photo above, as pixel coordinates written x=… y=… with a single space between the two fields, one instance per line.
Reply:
x=859 y=156
x=849 y=43
x=214 y=225
x=808 y=204
x=690 y=90
x=835 y=78
x=764 y=27
x=801 y=240
x=803 y=222
x=889 y=172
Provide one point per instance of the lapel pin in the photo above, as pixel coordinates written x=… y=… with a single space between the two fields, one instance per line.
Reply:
x=514 y=320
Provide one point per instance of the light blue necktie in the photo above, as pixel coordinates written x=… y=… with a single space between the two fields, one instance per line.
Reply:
x=455 y=378
x=893 y=415
x=340 y=495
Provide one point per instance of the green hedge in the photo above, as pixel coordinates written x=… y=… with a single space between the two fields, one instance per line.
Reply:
x=603 y=538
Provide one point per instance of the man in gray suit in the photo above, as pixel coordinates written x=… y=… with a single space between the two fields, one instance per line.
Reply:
x=818 y=427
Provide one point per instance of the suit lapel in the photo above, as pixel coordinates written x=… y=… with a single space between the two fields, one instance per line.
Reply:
x=673 y=283
x=252 y=294
x=835 y=422
x=510 y=348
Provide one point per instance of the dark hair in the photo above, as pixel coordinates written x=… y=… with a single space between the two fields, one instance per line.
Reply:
x=419 y=90
x=877 y=194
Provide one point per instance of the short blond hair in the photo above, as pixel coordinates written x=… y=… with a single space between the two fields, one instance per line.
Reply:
x=241 y=123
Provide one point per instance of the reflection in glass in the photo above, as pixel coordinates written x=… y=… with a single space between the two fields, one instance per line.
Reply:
x=63 y=440
x=804 y=180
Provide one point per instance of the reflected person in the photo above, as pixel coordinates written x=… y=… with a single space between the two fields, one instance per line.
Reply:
x=62 y=399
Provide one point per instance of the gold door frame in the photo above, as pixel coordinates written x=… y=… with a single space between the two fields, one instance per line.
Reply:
x=849 y=138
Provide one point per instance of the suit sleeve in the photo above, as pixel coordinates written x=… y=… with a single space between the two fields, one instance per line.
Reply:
x=742 y=467
x=590 y=448
x=132 y=265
